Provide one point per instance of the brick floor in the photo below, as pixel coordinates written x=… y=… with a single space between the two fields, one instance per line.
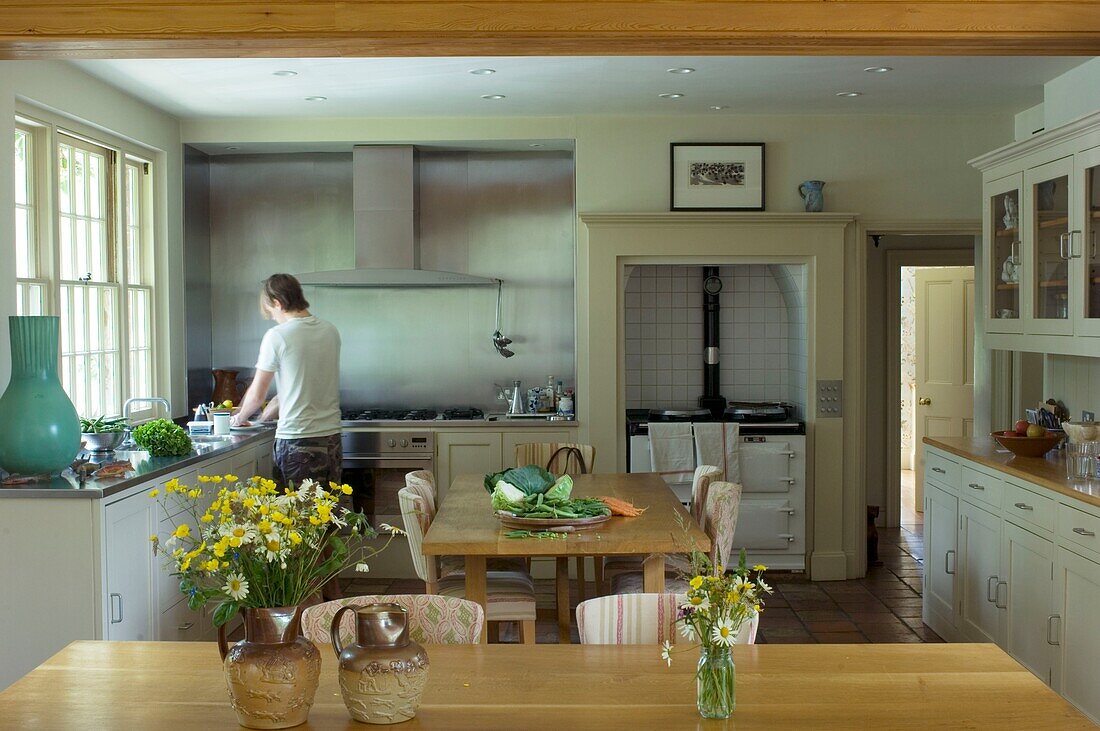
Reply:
x=884 y=606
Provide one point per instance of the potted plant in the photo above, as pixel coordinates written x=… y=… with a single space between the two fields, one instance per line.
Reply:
x=260 y=551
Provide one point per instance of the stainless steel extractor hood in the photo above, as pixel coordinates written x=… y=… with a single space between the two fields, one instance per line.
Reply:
x=387 y=247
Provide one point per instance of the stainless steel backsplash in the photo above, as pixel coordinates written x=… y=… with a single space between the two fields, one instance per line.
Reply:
x=506 y=215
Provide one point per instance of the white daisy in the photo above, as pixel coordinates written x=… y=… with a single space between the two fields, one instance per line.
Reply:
x=391 y=529
x=687 y=631
x=666 y=652
x=244 y=533
x=724 y=632
x=763 y=587
x=699 y=602
x=273 y=547
x=236 y=586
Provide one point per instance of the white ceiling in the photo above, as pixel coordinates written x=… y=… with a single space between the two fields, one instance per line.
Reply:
x=539 y=86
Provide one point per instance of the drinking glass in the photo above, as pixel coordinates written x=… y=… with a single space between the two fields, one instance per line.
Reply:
x=1081 y=461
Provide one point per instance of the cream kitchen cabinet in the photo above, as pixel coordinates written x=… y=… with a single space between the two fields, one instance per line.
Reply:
x=978 y=573
x=130 y=600
x=1040 y=257
x=941 y=518
x=484 y=450
x=512 y=439
x=1073 y=630
x=1025 y=593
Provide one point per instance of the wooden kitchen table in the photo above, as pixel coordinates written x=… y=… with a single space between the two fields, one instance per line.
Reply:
x=465 y=526
x=180 y=685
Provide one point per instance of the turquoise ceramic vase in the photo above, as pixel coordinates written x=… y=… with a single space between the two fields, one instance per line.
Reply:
x=39 y=427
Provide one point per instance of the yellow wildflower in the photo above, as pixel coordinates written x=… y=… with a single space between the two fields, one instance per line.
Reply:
x=277 y=516
x=346 y=489
x=225 y=564
x=177 y=553
x=248 y=503
x=182 y=531
x=288 y=522
x=759 y=567
x=216 y=479
x=756 y=608
x=295 y=538
x=264 y=526
x=194 y=494
x=204 y=478
x=154 y=492
x=696 y=582
x=230 y=478
x=235 y=542
x=185 y=564
x=206 y=518
x=153 y=538
x=211 y=565
x=314 y=520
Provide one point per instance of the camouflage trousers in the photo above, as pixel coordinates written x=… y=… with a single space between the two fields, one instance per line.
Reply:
x=313 y=458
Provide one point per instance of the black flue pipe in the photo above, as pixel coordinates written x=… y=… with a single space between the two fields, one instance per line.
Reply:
x=712 y=398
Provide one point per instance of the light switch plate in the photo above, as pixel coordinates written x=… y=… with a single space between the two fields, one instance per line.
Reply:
x=830 y=399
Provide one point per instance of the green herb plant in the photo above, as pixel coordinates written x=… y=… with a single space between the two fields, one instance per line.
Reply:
x=163 y=438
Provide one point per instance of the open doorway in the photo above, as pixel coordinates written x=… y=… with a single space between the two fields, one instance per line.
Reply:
x=936 y=358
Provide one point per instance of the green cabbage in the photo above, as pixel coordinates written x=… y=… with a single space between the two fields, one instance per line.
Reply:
x=561 y=490
x=531 y=480
x=507 y=497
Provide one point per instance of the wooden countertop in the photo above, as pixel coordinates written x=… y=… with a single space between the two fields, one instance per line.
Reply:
x=1048 y=471
x=130 y=685
x=465 y=524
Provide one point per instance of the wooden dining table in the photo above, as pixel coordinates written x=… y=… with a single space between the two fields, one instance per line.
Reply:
x=180 y=685
x=466 y=526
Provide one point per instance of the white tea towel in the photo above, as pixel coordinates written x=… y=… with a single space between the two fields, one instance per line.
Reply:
x=672 y=451
x=718 y=443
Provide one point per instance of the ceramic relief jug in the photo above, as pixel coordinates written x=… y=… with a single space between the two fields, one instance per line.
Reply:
x=813 y=199
x=39 y=427
x=383 y=674
x=272 y=673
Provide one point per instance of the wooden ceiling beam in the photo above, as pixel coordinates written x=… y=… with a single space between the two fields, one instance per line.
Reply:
x=220 y=28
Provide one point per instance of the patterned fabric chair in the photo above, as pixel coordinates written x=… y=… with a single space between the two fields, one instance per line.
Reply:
x=510 y=595
x=677 y=564
x=723 y=504
x=640 y=619
x=435 y=620
x=422 y=482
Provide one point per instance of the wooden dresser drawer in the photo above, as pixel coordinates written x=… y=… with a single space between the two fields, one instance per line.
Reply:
x=1029 y=506
x=940 y=469
x=1079 y=527
x=979 y=486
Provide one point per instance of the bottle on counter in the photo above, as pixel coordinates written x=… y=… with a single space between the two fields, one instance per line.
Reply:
x=549 y=403
x=565 y=406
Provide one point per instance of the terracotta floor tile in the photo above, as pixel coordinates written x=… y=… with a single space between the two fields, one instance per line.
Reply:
x=870 y=604
x=768 y=622
x=898 y=602
x=809 y=604
x=899 y=639
x=806 y=639
x=821 y=615
x=908 y=612
x=874 y=618
x=786 y=632
x=772 y=614
x=846 y=638
x=914 y=622
x=834 y=625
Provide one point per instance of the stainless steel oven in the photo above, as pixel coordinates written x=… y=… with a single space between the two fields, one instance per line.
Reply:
x=375 y=464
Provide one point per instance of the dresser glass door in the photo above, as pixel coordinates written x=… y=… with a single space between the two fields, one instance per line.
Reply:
x=1090 y=246
x=1005 y=265
x=1050 y=279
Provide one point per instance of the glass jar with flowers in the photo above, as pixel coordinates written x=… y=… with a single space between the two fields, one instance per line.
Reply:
x=253 y=549
x=719 y=606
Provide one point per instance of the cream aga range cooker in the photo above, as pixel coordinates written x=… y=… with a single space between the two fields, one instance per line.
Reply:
x=771 y=526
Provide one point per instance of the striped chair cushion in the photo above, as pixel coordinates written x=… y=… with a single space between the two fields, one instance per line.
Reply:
x=437 y=620
x=565 y=463
x=417 y=516
x=422 y=482
x=632 y=619
x=630 y=585
x=452 y=565
x=705 y=474
x=510 y=595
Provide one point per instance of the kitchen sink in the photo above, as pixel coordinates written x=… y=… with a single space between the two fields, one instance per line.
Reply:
x=211 y=439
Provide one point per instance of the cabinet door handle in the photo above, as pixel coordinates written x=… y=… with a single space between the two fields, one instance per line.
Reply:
x=991 y=590
x=1023 y=506
x=941 y=471
x=185 y=626
x=1063 y=240
x=946 y=562
x=112 y=598
x=1083 y=532
x=997 y=595
x=1069 y=238
x=976 y=486
x=1050 y=622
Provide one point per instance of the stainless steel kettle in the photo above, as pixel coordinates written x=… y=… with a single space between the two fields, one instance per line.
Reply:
x=516 y=405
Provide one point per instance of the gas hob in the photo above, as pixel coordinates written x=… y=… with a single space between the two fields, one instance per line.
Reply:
x=367 y=416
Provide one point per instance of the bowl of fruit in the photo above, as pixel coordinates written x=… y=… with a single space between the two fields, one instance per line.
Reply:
x=1028 y=440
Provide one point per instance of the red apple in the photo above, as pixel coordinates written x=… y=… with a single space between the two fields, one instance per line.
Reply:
x=1021 y=427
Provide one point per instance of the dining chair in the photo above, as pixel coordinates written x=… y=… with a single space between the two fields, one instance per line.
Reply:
x=722 y=507
x=433 y=619
x=564 y=458
x=700 y=486
x=510 y=595
x=422 y=482
x=641 y=619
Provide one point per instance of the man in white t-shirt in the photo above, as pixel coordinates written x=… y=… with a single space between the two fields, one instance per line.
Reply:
x=302 y=354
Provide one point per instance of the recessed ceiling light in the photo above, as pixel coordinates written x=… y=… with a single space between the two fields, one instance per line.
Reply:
x=671 y=95
x=493 y=96
x=878 y=69
x=284 y=73
x=683 y=70
x=849 y=93
x=482 y=72
x=232 y=148
x=316 y=98
x=718 y=107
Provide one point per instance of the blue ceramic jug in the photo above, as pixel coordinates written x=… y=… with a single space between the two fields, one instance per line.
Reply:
x=39 y=427
x=812 y=197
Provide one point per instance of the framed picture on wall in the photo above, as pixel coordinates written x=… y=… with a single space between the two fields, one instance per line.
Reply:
x=716 y=176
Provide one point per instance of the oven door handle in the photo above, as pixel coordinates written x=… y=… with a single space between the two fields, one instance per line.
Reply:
x=352 y=462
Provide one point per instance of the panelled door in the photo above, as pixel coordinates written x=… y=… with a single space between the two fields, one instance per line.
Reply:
x=945 y=357
x=941 y=514
x=980 y=561
x=1085 y=235
x=1025 y=592
x=1047 y=297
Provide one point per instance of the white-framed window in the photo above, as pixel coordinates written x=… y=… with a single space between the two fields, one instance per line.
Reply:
x=31 y=288
x=85 y=252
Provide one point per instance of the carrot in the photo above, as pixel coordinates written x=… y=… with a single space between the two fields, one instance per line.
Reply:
x=621 y=507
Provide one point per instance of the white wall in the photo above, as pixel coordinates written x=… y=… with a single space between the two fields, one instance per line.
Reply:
x=1072 y=95
x=65 y=91
x=1073 y=380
